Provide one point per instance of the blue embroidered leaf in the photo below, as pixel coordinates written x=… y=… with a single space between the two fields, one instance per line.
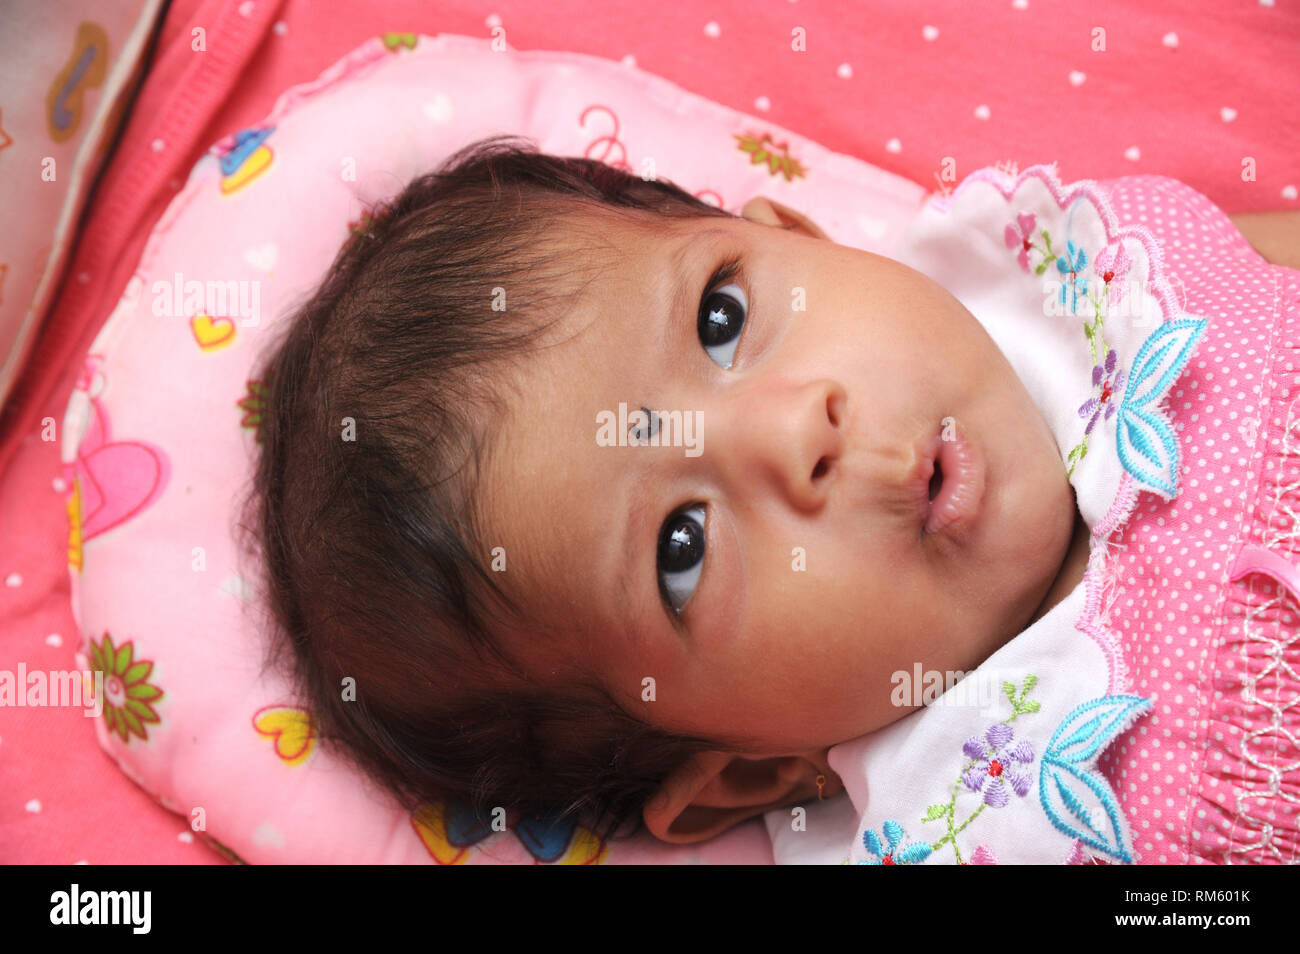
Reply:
x=1154 y=440
x=1084 y=731
x=1144 y=439
x=1078 y=800
x=871 y=841
x=1081 y=735
x=1082 y=797
x=1073 y=799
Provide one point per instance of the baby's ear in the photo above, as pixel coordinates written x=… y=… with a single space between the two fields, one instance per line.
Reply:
x=714 y=791
x=771 y=212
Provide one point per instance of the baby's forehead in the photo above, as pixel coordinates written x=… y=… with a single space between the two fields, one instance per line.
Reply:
x=547 y=489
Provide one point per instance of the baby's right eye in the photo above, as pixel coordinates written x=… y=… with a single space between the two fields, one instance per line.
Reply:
x=722 y=316
x=681 y=556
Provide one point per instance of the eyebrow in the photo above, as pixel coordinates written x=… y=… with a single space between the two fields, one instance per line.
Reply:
x=670 y=328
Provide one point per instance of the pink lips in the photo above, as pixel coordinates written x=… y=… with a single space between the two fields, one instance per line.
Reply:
x=957 y=504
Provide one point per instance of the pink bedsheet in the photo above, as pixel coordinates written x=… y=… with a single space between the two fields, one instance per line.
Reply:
x=1186 y=89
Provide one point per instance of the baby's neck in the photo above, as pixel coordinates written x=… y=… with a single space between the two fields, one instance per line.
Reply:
x=1071 y=572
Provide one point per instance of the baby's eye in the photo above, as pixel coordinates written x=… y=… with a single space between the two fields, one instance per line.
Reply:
x=681 y=555
x=722 y=316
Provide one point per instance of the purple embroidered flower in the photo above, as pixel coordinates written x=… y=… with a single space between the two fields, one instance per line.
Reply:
x=995 y=764
x=1113 y=263
x=1021 y=236
x=1112 y=382
x=1071 y=264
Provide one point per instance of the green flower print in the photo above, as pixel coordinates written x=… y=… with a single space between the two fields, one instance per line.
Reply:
x=127 y=691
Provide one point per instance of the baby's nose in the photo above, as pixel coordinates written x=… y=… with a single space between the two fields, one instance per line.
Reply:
x=791 y=438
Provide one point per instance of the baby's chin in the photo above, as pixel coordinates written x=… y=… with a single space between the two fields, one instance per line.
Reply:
x=1030 y=509
x=1037 y=541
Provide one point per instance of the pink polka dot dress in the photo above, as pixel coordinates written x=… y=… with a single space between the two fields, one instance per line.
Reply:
x=1212 y=774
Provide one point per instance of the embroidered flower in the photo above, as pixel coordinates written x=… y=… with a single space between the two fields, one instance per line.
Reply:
x=1112 y=382
x=994 y=764
x=982 y=855
x=889 y=854
x=1071 y=264
x=1113 y=263
x=1021 y=235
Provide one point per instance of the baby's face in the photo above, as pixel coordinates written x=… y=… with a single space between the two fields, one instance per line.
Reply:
x=768 y=565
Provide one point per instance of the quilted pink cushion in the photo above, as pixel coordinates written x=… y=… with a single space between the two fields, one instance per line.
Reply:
x=160 y=433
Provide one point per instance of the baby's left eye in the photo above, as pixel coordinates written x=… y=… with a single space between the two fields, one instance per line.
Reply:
x=722 y=316
x=681 y=555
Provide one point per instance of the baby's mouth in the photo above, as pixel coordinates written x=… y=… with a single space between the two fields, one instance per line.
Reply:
x=954 y=488
x=936 y=481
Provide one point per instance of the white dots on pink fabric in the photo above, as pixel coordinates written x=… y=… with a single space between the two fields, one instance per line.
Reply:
x=1237 y=412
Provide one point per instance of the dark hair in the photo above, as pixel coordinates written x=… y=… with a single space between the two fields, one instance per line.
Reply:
x=375 y=568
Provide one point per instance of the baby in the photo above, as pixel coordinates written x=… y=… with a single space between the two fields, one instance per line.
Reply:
x=488 y=598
